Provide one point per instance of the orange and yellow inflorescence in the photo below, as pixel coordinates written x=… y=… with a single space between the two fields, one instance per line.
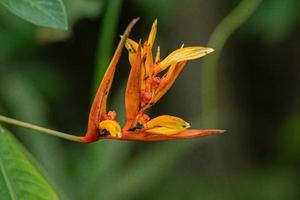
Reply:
x=145 y=86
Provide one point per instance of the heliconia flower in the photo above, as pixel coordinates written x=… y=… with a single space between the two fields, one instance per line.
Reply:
x=145 y=86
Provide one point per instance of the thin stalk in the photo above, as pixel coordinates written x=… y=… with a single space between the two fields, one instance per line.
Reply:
x=39 y=129
x=209 y=74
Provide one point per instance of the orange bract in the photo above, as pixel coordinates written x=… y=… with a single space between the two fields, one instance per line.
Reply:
x=144 y=88
x=132 y=94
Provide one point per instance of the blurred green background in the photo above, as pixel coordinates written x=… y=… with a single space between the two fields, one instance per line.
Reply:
x=48 y=77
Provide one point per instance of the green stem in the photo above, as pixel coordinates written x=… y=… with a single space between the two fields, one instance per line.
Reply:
x=106 y=40
x=40 y=129
x=210 y=65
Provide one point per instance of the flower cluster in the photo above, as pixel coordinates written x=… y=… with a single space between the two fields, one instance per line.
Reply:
x=145 y=86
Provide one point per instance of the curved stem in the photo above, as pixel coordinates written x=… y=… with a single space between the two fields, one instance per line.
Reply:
x=40 y=129
x=209 y=75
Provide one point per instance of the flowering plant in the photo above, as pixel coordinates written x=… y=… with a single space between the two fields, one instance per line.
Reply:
x=144 y=88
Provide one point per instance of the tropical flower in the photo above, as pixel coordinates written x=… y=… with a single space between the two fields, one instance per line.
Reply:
x=145 y=86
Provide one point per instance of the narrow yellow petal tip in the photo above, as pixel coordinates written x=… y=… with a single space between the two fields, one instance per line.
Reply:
x=209 y=50
x=155 y=22
x=185 y=54
x=152 y=34
x=112 y=127
x=188 y=125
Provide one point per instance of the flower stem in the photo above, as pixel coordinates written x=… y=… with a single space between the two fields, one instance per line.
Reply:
x=40 y=129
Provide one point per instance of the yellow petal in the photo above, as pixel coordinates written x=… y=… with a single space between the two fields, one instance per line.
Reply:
x=163 y=131
x=184 y=54
x=132 y=47
x=152 y=34
x=166 y=125
x=112 y=127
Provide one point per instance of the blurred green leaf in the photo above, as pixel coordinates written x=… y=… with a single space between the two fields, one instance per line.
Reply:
x=77 y=9
x=49 y=13
x=19 y=178
x=24 y=101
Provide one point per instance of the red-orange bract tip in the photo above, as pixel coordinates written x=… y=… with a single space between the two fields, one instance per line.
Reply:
x=190 y=133
x=148 y=137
